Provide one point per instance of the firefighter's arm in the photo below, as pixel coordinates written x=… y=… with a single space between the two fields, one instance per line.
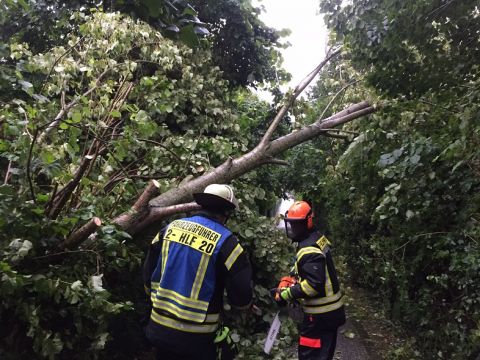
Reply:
x=151 y=261
x=238 y=277
x=311 y=269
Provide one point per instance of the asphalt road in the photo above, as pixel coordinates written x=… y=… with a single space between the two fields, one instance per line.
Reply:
x=350 y=345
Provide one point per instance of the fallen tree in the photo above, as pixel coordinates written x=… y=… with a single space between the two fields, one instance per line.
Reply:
x=151 y=207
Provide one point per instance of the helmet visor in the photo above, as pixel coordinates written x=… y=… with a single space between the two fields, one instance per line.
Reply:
x=296 y=229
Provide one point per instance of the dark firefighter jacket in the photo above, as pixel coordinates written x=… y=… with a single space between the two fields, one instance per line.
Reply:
x=187 y=268
x=318 y=289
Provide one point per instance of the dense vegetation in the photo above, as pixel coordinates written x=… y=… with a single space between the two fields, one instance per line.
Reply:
x=96 y=102
x=85 y=124
x=401 y=194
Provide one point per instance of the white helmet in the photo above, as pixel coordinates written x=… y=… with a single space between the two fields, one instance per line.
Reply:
x=217 y=197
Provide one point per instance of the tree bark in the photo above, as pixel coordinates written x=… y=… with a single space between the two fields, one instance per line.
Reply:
x=171 y=201
x=140 y=209
x=81 y=234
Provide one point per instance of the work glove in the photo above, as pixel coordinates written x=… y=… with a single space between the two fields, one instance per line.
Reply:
x=283 y=296
x=226 y=348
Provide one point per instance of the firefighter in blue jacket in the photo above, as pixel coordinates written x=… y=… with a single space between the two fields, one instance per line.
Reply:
x=188 y=266
x=317 y=287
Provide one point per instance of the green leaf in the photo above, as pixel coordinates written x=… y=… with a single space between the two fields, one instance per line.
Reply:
x=154 y=7
x=76 y=117
x=415 y=159
x=26 y=86
x=24 y=4
x=47 y=157
x=115 y=114
x=188 y=36
x=189 y=10
x=42 y=197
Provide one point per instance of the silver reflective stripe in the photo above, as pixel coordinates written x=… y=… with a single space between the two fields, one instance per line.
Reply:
x=182 y=326
x=211 y=318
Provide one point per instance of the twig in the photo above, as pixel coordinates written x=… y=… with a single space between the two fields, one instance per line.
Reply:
x=341 y=131
x=7 y=174
x=50 y=202
x=64 y=194
x=56 y=62
x=52 y=124
x=162 y=146
x=336 y=136
x=296 y=92
x=335 y=97
x=420 y=235
x=433 y=104
x=275 y=161
x=65 y=253
x=117 y=199
x=29 y=163
x=438 y=9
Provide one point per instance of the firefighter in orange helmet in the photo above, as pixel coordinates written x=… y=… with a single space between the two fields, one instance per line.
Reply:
x=317 y=287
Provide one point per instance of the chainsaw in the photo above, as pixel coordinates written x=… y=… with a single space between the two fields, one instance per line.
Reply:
x=285 y=282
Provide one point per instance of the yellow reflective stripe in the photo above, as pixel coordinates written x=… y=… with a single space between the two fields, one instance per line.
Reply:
x=169 y=294
x=323 y=309
x=307 y=288
x=328 y=283
x=202 y=269
x=179 y=312
x=156 y=238
x=233 y=256
x=165 y=247
x=322 y=300
x=182 y=326
x=308 y=250
x=147 y=289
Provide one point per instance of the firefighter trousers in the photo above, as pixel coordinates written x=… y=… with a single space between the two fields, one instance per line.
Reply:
x=316 y=343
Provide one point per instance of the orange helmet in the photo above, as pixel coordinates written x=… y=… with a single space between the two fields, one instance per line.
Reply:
x=298 y=220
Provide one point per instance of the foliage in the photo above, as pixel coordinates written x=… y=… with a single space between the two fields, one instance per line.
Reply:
x=91 y=121
x=425 y=44
x=43 y=24
x=245 y=49
x=400 y=196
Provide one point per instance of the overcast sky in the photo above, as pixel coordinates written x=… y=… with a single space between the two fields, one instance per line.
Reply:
x=308 y=37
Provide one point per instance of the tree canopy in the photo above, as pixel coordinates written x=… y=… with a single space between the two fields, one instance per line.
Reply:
x=107 y=106
x=400 y=193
